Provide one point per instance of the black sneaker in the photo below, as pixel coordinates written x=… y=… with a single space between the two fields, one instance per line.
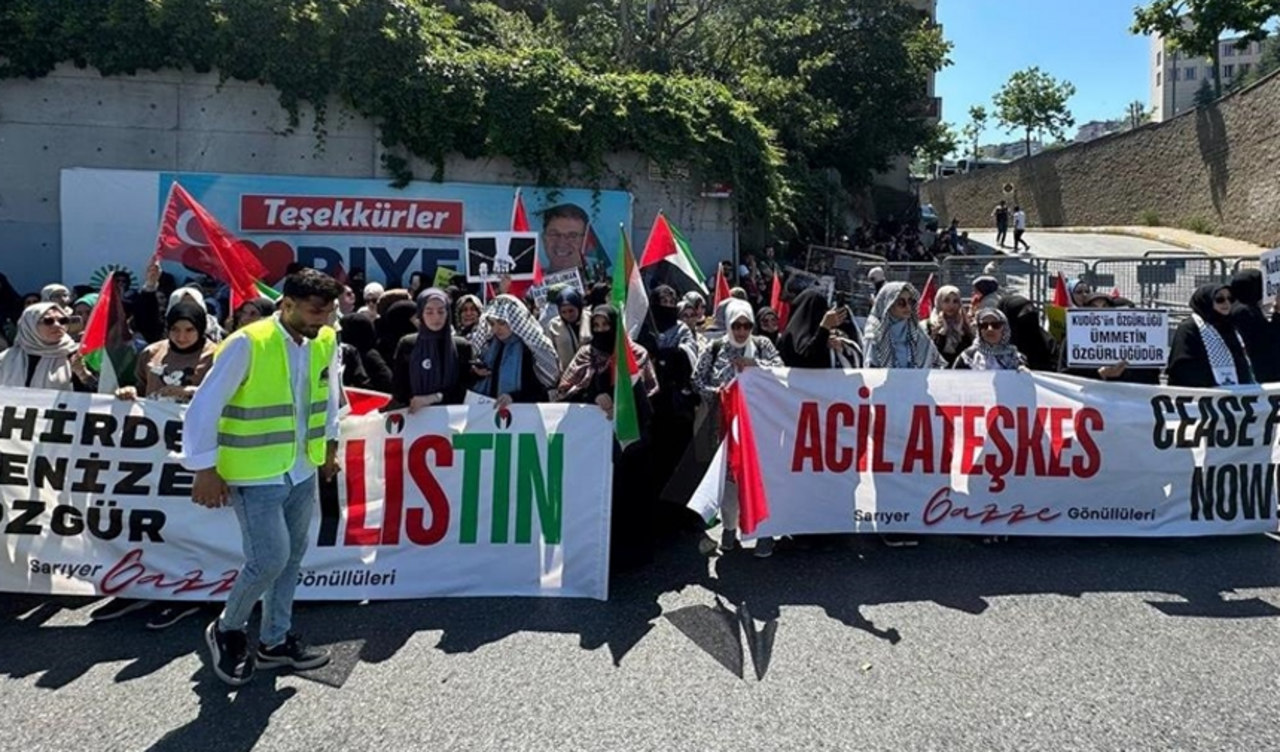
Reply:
x=171 y=613
x=294 y=653
x=117 y=607
x=232 y=661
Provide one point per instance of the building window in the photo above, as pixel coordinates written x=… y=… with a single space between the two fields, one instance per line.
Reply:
x=1229 y=70
x=1229 y=49
x=1245 y=68
x=1189 y=75
x=1159 y=57
x=1157 y=78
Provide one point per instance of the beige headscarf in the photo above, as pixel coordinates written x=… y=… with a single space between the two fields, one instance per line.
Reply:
x=54 y=370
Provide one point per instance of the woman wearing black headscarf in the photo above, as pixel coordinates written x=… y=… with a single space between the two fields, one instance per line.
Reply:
x=1261 y=335
x=818 y=336
x=172 y=368
x=358 y=331
x=570 y=329
x=1207 y=351
x=1035 y=344
x=432 y=367
x=396 y=323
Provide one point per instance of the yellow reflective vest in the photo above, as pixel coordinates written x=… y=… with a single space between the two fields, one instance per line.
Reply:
x=257 y=432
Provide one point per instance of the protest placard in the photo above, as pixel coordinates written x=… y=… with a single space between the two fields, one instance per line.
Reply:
x=1270 y=262
x=567 y=278
x=1105 y=337
x=501 y=253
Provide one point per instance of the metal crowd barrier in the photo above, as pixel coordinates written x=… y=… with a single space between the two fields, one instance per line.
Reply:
x=1164 y=282
x=850 y=268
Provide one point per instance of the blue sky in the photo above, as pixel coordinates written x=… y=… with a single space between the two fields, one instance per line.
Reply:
x=1086 y=42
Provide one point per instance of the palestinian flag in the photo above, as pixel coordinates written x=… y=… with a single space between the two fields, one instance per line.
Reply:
x=628 y=294
x=1056 y=312
x=626 y=372
x=668 y=247
x=107 y=344
x=777 y=303
x=264 y=291
x=722 y=287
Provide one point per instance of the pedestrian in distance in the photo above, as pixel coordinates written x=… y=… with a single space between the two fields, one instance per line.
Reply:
x=1019 y=228
x=1001 y=214
x=261 y=427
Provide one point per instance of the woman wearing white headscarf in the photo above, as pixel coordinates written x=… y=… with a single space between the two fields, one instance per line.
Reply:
x=718 y=366
x=213 y=329
x=44 y=355
x=893 y=337
x=517 y=360
x=993 y=350
x=55 y=293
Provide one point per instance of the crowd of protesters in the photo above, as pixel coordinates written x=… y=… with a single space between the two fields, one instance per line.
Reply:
x=427 y=346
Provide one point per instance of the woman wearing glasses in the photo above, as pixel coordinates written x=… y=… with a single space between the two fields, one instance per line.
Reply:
x=993 y=350
x=893 y=337
x=949 y=327
x=718 y=366
x=44 y=356
x=1207 y=351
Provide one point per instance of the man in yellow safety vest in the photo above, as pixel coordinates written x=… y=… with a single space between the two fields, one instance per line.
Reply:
x=260 y=425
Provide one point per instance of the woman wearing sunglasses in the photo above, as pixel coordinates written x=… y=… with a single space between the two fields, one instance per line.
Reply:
x=893 y=337
x=44 y=356
x=1207 y=351
x=993 y=350
x=718 y=366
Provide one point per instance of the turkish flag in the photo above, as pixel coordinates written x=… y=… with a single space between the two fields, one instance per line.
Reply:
x=925 y=305
x=520 y=223
x=722 y=287
x=191 y=236
x=779 y=306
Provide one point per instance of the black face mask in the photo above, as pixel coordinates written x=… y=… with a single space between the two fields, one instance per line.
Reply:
x=665 y=317
x=605 y=341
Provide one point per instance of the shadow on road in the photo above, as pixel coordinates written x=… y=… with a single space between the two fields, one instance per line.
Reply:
x=842 y=575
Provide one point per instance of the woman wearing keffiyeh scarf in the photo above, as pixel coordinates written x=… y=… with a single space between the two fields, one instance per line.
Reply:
x=993 y=350
x=590 y=374
x=893 y=337
x=1207 y=351
x=518 y=362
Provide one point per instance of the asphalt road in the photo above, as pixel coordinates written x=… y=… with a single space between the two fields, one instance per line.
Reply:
x=1070 y=245
x=1036 y=644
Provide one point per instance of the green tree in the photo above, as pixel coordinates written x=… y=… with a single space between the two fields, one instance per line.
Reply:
x=942 y=143
x=1136 y=115
x=1195 y=27
x=1035 y=102
x=1204 y=95
x=973 y=131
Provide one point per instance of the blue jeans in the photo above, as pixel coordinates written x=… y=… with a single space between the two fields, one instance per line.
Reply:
x=275 y=522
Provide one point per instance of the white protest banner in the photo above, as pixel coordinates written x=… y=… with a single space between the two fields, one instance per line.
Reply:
x=494 y=254
x=450 y=501
x=1270 y=262
x=1107 y=336
x=1003 y=453
x=569 y=278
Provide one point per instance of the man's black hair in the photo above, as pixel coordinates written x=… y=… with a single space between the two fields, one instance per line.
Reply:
x=565 y=211
x=294 y=267
x=309 y=283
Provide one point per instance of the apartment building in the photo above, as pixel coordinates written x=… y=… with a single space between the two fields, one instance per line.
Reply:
x=1176 y=76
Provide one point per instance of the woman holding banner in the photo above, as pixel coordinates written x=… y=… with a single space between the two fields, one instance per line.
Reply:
x=431 y=367
x=993 y=350
x=1207 y=351
x=516 y=360
x=893 y=337
x=43 y=355
x=949 y=326
x=718 y=366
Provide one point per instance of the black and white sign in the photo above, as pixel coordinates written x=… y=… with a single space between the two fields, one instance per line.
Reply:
x=493 y=254
x=1105 y=337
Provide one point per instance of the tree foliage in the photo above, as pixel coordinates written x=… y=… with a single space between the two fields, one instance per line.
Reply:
x=1035 y=102
x=766 y=95
x=1195 y=27
x=972 y=132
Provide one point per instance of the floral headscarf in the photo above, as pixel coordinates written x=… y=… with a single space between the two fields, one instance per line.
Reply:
x=1003 y=356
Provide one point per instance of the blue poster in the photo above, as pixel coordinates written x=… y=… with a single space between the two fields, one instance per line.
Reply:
x=344 y=225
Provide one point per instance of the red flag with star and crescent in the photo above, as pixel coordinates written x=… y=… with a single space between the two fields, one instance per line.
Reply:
x=191 y=236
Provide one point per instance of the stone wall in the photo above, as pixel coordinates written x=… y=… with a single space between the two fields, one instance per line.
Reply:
x=182 y=121
x=1219 y=165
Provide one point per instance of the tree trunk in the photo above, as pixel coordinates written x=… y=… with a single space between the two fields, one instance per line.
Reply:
x=1028 y=156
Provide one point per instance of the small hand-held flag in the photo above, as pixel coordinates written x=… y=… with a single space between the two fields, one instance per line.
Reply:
x=779 y=306
x=722 y=287
x=666 y=244
x=190 y=235
x=626 y=371
x=106 y=344
x=925 y=306
x=1061 y=298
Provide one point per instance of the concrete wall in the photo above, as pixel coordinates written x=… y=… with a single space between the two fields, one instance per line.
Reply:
x=1220 y=164
x=181 y=121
